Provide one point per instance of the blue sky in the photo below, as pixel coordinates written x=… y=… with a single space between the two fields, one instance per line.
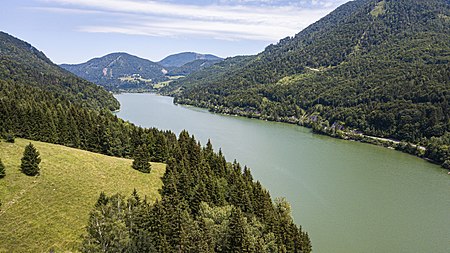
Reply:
x=74 y=31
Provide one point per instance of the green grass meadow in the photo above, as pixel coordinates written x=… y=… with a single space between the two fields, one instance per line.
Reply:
x=49 y=212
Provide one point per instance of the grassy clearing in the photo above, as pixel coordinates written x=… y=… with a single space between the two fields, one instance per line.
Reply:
x=134 y=79
x=379 y=9
x=165 y=83
x=50 y=211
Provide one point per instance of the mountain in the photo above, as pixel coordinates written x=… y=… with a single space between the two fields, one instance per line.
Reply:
x=122 y=71
x=192 y=67
x=376 y=66
x=204 y=199
x=180 y=59
x=27 y=70
x=119 y=71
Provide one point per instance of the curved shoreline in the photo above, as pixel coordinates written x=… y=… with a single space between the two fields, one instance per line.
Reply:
x=353 y=135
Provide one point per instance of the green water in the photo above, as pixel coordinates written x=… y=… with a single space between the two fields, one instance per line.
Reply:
x=349 y=196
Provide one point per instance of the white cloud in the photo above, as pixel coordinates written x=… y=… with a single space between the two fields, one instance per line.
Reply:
x=231 y=22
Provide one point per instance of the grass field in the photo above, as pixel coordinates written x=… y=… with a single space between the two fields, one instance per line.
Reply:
x=50 y=211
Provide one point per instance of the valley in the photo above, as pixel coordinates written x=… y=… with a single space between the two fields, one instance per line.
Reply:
x=368 y=198
x=192 y=153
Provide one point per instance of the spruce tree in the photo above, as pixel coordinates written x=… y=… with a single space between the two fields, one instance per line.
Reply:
x=30 y=161
x=2 y=169
x=236 y=241
x=141 y=160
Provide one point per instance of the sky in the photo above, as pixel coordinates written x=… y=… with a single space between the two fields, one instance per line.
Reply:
x=74 y=31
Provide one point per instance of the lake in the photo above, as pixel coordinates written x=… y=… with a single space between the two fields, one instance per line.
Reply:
x=349 y=196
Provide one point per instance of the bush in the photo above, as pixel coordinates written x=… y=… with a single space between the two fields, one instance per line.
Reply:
x=10 y=138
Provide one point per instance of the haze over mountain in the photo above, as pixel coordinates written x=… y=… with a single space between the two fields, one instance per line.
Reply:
x=379 y=66
x=122 y=71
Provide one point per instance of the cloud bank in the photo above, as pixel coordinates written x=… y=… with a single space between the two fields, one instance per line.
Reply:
x=266 y=20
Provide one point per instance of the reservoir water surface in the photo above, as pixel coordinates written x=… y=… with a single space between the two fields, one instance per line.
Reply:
x=349 y=196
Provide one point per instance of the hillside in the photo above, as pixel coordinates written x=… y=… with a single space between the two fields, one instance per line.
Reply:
x=199 y=185
x=119 y=71
x=180 y=59
x=26 y=69
x=192 y=67
x=122 y=71
x=50 y=211
x=378 y=66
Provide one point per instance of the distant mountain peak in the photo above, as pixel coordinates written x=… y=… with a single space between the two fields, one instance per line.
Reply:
x=123 y=71
x=119 y=70
x=180 y=59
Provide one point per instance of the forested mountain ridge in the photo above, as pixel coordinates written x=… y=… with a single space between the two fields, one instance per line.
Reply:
x=119 y=71
x=191 y=67
x=28 y=69
x=125 y=72
x=378 y=66
x=207 y=204
x=180 y=59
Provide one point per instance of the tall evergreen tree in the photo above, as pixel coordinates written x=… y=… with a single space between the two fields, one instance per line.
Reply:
x=2 y=169
x=237 y=232
x=141 y=160
x=30 y=161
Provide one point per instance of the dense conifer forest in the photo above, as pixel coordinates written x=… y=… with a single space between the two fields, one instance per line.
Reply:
x=207 y=205
x=379 y=67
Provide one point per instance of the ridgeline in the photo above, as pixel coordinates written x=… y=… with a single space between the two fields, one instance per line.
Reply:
x=378 y=67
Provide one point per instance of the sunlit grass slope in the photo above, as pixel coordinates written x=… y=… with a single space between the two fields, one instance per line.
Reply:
x=50 y=211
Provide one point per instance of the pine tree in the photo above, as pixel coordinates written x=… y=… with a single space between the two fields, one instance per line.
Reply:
x=30 y=161
x=141 y=160
x=2 y=169
x=236 y=232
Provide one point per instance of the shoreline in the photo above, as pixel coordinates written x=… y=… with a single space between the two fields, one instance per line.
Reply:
x=334 y=132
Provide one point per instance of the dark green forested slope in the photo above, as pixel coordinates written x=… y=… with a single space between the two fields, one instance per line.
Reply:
x=378 y=66
x=208 y=204
x=192 y=67
x=180 y=59
x=29 y=70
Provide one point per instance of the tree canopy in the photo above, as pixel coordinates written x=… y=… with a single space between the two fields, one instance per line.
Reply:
x=380 y=67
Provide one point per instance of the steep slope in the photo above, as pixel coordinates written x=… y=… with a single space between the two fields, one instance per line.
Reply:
x=119 y=71
x=196 y=179
x=50 y=211
x=379 y=66
x=180 y=59
x=208 y=75
x=28 y=69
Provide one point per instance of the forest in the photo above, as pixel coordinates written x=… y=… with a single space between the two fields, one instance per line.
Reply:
x=375 y=67
x=207 y=204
